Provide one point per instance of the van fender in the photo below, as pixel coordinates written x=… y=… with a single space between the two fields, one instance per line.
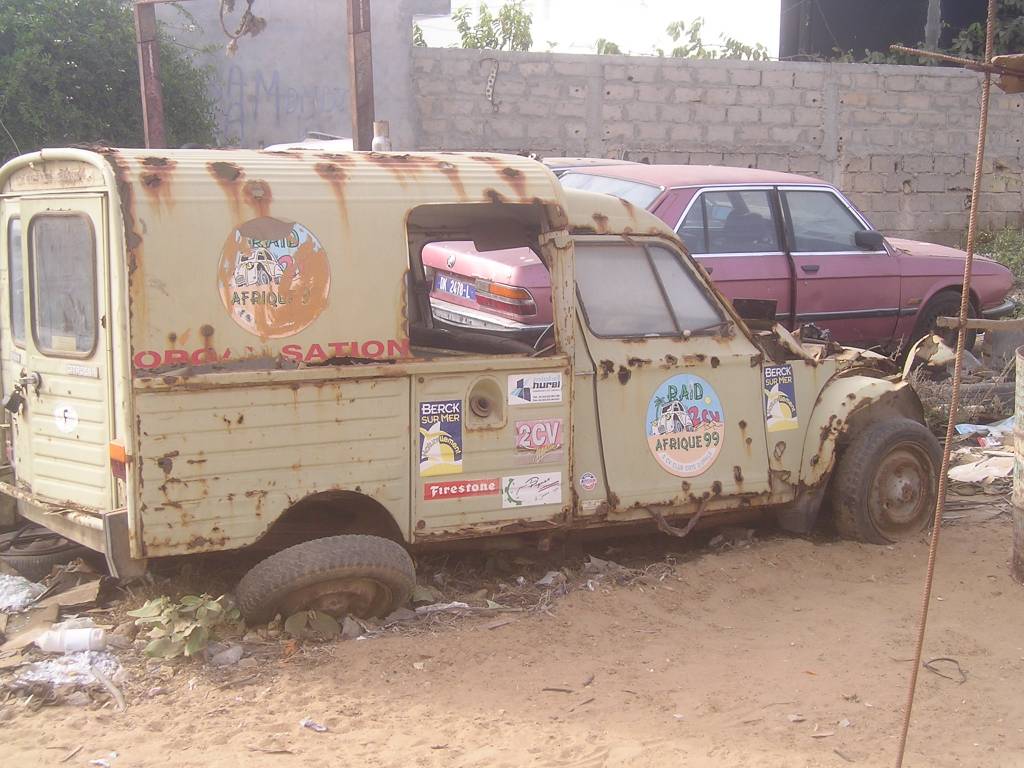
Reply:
x=844 y=406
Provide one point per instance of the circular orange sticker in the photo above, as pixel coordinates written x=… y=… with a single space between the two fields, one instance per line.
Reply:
x=274 y=277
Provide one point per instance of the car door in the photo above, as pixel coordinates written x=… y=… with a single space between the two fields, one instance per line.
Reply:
x=678 y=389
x=841 y=287
x=64 y=425
x=734 y=233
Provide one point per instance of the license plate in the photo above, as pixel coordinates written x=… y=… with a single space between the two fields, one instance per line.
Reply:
x=452 y=286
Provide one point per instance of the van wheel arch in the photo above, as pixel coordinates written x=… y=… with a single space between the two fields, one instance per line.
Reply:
x=331 y=513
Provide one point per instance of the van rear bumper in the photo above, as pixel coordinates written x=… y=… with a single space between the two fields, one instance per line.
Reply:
x=105 y=532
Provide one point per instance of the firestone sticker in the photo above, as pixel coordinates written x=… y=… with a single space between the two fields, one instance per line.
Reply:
x=458 y=489
x=274 y=277
x=685 y=425
x=779 y=398
x=532 y=388
x=531 y=490
x=441 y=437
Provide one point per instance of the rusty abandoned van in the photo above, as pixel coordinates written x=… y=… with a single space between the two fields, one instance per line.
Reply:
x=214 y=350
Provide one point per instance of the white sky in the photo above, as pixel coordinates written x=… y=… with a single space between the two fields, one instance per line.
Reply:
x=637 y=26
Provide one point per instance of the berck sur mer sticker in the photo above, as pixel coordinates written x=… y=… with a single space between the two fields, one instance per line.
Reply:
x=440 y=437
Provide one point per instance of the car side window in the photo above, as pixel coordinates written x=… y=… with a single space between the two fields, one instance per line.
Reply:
x=821 y=222
x=732 y=221
x=639 y=290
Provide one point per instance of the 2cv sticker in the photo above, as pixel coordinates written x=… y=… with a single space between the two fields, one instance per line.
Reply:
x=685 y=425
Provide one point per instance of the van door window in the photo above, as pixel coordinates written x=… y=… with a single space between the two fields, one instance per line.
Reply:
x=64 y=285
x=639 y=290
x=16 y=281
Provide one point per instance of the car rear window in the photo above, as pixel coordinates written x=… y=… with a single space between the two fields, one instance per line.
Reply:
x=640 y=195
x=64 y=285
x=640 y=290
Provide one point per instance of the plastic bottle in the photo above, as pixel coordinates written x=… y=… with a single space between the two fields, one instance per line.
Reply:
x=70 y=640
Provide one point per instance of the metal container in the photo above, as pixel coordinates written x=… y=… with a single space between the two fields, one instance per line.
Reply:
x=1017 y=561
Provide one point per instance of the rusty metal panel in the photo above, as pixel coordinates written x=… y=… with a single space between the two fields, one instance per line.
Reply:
x=219 y=465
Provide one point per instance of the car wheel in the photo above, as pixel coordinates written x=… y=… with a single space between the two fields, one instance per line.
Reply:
x=365 y=576
x=945 y=304
x=885 y=485
x=33 y=551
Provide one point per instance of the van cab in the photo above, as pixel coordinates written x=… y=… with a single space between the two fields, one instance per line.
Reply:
x=214 y=350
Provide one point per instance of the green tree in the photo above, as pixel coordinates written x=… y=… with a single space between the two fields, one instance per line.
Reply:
x=607 y=47
x=69 y=74
x=1009 y=32
x=509 y=30
x=417 y=36
x=691 y=45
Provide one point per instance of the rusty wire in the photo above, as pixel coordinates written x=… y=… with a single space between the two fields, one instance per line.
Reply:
x=940 y=501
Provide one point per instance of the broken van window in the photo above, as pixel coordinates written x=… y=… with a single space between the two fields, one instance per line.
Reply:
x=623 y=295
x=16 y=275
x=64 y=284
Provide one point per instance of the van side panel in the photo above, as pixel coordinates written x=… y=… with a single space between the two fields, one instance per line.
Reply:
x=218 y=465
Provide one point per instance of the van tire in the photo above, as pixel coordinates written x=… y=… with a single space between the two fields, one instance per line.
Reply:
x=885 y=485
x=365 y=576
x=34 y=551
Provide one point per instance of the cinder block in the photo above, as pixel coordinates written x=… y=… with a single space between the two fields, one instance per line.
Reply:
x=742 y=114
x=776 y=76
x=748 y=77
x=658 y=94
x=777 y=115
x=723 y=96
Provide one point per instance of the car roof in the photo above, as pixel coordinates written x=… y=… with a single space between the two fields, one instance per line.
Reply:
x=694 y=175
x=582 y=162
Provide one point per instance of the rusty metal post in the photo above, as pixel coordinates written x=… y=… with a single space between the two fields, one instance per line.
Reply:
x=149 y=74
x=1017 y=558
x=360 y=64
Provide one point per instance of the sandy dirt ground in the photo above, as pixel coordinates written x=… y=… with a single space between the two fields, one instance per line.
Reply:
x=786 y=652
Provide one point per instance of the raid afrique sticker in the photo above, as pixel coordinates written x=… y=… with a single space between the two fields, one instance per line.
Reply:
x=779 y=398
x=685 y=425
x=440 y=437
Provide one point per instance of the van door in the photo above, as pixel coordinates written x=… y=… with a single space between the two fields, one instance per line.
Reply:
x=679 y=391
x=65 y=421
x=12 y=319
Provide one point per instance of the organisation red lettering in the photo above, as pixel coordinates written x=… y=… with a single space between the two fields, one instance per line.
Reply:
x=373 y=349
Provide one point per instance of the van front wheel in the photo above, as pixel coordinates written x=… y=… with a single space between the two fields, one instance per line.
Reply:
x=365 y=576
x=886 y=482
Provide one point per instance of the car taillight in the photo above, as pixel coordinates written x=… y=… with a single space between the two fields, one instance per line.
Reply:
x=506 y=298
x=118 y=460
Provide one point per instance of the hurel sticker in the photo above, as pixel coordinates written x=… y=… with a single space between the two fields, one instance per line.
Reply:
x=531 y=388
x=540 y=439
x=685 y=425
x=273 y=277
x=779 y=398
x=458 y=489
x=441 y=437
x=531 y=490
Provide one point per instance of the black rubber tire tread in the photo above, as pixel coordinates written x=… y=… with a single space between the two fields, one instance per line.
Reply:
x=38 y=567
x=263 y=588
x=35 y=562
x=943 y=304
x=857 y=465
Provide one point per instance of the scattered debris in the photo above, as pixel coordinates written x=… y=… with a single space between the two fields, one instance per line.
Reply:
x=113 y=690
x=796 y=718
x=70 y=669
x=550 y=579
x=425 y=610
x=228 y=657
x=313 y=725
x=17 y=592
x=351 y=629
x=71 y=754
x=930 y=666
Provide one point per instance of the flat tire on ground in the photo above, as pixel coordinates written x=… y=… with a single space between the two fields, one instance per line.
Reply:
x=34 y=551
x=365 y=576
x=885 y=485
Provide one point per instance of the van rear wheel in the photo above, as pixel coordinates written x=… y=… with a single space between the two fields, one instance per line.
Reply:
x=365 y=576
x=886 y=482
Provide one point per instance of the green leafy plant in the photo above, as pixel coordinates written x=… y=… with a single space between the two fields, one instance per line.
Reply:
x=418 y=39
x=1006 y=247
x=69 y=74
x=509 y=30
x=607 y=47
x=184 y=627
x=691 y=44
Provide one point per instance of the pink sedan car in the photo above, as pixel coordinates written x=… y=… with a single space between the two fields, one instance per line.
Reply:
x=792 y=240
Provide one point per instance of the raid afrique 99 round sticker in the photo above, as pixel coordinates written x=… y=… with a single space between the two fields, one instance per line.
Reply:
x=685 y=425
x=274 y=277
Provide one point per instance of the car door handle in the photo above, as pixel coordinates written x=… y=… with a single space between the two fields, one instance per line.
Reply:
x=810 y=267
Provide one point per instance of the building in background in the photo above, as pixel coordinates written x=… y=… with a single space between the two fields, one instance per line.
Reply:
x=818 y=29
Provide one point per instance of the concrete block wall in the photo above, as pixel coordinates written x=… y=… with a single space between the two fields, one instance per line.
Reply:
x=899 y=140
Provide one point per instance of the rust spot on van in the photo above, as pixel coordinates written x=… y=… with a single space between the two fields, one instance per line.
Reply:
x=780 y=449
x=624 y=374
x=166 y=462
x=258 y=195
x=743 y=424
x=716 y=488
x=452 y=174
x=671 y=361
x=737 y=474
x=637 y=362
x=516 y=179
x=335 y=175
x=494 y=196
x=715 y=362
x=607 y=368
x=225 y=171
x=601 y=223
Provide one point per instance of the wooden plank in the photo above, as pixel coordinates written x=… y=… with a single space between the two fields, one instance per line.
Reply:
x=981 y=324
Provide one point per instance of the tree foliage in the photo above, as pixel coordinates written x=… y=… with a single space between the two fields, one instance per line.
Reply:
x=69 y=74
x=509 y=30
x=607 y=47
x=691 y=45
